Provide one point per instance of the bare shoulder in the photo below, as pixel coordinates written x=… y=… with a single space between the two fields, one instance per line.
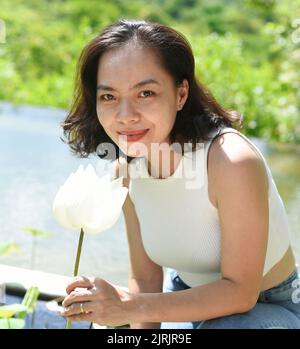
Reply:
x=231 y=147
x=233 y=161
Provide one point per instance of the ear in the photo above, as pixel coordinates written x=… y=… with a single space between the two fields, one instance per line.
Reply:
x=182 y=95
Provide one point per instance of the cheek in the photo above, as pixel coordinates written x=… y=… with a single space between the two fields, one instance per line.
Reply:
x=165 y=122
x=104 y=121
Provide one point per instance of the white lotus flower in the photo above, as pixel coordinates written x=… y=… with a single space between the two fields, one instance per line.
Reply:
x=86 y=201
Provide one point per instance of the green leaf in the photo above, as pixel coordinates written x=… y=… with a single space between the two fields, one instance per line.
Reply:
x=8 y=248
x=35 y=232
x=14 y=324
x=7 y=311
x=30 y=298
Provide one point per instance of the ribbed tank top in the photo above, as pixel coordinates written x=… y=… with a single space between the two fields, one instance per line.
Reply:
x=180 y=227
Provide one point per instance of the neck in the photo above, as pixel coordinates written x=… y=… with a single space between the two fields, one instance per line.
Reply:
x=163 y=162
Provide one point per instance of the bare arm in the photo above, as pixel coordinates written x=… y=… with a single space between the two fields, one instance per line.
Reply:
x=145 y=276
x=242 y=200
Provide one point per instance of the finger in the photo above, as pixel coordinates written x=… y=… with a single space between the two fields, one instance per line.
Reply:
x=80 y=317
x=78 y=296
x=79 y=281
x=77 y=309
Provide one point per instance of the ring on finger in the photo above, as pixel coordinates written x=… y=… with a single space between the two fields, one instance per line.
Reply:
x=81 y=308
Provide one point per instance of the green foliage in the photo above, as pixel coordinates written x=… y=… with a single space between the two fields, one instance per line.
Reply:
x=7 y=311
x=13 y=316
x=8 y=248
x=30 y=299
x=35 y=232
x=244 y=50
x=12 y=324
x=268 y=102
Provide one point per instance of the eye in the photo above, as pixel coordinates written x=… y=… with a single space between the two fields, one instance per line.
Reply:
x=106 y=97
x=148 y=93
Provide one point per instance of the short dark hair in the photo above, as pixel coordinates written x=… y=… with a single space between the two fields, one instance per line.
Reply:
x=199 y=116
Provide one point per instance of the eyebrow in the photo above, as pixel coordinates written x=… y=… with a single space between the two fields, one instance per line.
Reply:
x=139 y=84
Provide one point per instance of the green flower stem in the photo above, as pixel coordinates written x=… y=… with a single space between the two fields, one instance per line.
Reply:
x=75 y=273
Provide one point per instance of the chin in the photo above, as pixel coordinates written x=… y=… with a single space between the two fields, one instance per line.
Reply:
x=134 y=150
x=132 y=154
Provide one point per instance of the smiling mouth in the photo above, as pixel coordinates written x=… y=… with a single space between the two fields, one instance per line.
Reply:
x=134 y=136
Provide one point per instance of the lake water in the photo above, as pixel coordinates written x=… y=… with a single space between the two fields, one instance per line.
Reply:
x=34 y=162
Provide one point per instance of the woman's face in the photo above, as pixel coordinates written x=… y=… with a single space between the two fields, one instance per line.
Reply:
x=134 y=93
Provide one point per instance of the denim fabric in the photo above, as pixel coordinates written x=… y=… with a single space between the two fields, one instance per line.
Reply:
x=277 y=307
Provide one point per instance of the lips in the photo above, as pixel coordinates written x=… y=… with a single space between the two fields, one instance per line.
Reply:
x=134 y=136
x=133 y=132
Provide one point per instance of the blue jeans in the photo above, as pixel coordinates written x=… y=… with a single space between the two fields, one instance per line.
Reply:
x=277 y=307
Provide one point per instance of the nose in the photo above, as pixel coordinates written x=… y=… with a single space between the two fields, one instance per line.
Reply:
x=126 y=112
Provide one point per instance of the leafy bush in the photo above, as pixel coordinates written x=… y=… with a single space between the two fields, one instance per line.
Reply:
x=266 y=98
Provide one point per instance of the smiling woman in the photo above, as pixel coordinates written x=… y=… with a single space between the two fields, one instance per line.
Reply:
x=156 y=82
x=225 y=240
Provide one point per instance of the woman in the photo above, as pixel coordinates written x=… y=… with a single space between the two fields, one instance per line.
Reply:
x=223 y=236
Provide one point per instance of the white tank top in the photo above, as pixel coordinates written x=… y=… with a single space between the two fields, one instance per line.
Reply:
x=180 y=227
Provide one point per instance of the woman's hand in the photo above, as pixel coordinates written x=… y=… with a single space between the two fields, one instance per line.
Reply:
x=96 y=300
